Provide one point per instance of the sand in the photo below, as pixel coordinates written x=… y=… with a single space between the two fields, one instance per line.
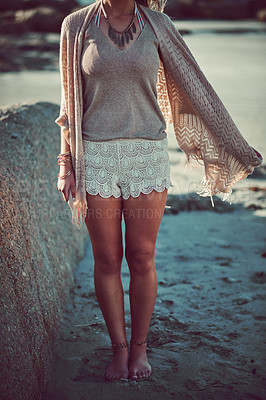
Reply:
x=207 y=333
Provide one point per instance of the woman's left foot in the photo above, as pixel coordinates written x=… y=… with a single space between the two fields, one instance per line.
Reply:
x=138 y=366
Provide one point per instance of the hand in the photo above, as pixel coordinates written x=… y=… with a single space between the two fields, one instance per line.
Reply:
x=67 y=184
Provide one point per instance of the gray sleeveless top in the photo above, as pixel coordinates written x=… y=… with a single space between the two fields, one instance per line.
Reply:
x=119 y=88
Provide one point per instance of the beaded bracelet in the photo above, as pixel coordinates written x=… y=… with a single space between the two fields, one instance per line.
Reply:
x=62 y=157
x=62 y=161
x=67 y=174
x=119 y=345
x=64 y=154
x=138 y=343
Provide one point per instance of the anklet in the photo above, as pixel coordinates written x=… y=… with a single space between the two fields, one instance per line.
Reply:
x=119 y=345
x=137 y=343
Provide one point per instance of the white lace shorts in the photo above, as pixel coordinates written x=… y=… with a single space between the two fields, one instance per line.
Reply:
x=126 y=167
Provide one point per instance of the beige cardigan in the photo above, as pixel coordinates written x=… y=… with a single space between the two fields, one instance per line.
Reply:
x=203 y=127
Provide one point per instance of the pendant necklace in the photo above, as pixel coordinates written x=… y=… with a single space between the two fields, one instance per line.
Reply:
x=120 y=38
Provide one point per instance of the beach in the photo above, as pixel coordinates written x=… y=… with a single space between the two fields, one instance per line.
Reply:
x=208 y=331
x=208 y=327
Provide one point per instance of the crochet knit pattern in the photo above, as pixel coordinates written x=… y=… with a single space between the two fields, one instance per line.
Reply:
x=203 y=127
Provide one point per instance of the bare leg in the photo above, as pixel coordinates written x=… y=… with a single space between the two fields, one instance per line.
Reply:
x=104 y=225
x=142 y=218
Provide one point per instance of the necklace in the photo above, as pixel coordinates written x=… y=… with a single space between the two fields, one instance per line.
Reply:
x=120 y=38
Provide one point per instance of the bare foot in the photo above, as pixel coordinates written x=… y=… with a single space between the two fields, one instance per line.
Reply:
x=139 y=366
x=118 y=369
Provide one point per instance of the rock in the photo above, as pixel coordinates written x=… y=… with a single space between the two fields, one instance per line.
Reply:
x=37 y=51
x=208 y=9
x=193 y=201
x=41 y=19
x=36 y=15
x=63 y=5
x=261 y=15
x=8 y=24
x=40 y=248
x=174 y=9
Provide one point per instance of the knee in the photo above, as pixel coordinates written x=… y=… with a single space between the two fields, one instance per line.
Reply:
x=108 y=263
x=140 y=261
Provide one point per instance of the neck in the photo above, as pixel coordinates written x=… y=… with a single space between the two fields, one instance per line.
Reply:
x=118 y=8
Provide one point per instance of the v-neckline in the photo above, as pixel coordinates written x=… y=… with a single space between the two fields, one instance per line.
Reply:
x=114 y=47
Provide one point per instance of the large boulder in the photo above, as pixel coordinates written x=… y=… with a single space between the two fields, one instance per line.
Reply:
x=40 y=19
x=20 y=16
x=40 y=248
x=31 y=51
x=63 y=5
x=261 y=15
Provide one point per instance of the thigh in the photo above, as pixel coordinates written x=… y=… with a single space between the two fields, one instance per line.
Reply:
x=143 y=216
x=103 y=221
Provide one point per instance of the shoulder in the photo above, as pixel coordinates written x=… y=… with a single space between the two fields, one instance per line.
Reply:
x=75 y=19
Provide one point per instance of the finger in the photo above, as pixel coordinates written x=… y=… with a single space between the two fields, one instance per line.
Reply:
x=67 y=195
x=63 y=194
x=73 y=192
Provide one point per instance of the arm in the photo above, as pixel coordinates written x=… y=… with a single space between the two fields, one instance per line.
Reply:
x=66 y=178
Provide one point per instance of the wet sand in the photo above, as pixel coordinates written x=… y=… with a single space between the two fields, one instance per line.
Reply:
x=207 y=332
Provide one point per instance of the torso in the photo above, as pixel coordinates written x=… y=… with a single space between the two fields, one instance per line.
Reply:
x=120 y=97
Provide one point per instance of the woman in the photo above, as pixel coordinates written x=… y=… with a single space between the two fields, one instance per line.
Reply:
x=127 y=73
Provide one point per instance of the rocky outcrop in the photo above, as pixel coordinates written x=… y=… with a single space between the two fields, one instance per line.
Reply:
x=31 y=51
x=40 y=248
x=213 y=9
x=62 y=5
x=40 y=19
x=261 y=15
x=21 y=16
x=193 y=202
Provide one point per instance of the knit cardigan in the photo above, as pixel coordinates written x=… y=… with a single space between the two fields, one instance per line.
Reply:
x=203 y=127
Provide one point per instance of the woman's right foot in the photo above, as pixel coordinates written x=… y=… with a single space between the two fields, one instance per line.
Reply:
x=118 y=369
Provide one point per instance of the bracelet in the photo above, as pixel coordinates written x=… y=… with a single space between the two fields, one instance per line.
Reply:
x=119 y=345
x=62 y=161
x=63 y=157
x=63 y=154
x=67 y=174
x=138 y=343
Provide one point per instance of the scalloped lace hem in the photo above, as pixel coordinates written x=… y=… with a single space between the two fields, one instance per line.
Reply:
x=136 y=193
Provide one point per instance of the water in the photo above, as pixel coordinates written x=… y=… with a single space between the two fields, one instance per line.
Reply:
x=85 y=2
